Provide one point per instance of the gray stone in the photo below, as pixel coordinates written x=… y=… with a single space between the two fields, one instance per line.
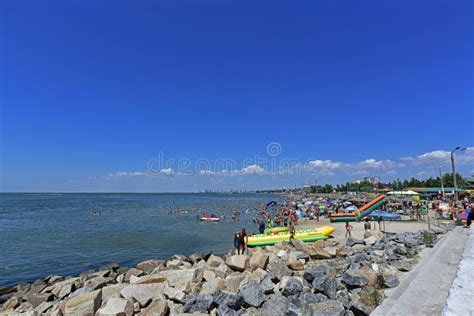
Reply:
x=211 y=287
x=174 y=294
x=277 y=269
x=267 y=286
x=354 y=278
x=229 y=299
x=85 y=304
x=197 y=303
x=214 y=261
x=327 y=308
x=24 y=307
x=80 y=291
x=54 y=278
x=97 y=283
x=352 y=241
x=252 y=295
x=311 y=298
x=12 y=303
x=156 y=308
x=291 y=286
x=116 y=306
x=37 y=298
x=187 y=276
x=142 y=293
x=43 y=307
x=258 y=260
x=402 y=265
x=275 y=305
x=149 y=265
x=344 y=298
x=359 y=309
x=237 y=262
x=112 y=291
x=391 y=281
x=224 y=310
x=316 y=272
x=326 y=284
x=66 y=290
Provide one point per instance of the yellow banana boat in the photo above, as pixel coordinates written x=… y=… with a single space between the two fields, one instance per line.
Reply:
x=306 y=235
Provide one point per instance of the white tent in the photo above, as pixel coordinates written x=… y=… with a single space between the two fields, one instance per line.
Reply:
x=407 y=192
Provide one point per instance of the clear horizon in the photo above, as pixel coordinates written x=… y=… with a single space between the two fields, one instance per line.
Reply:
x=159 y=97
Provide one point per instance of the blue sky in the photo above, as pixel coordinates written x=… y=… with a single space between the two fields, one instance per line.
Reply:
x=94 y=93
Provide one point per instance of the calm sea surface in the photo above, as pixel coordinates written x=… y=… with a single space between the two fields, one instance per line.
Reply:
x=44 y=234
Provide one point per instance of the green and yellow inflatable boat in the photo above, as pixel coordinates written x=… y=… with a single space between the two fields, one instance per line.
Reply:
x=276 y=230
x=306 y=235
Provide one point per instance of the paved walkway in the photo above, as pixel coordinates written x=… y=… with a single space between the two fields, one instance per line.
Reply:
x=461 y=295
x=424 y=290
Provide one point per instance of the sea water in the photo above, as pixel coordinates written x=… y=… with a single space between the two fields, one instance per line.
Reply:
x=65 y=234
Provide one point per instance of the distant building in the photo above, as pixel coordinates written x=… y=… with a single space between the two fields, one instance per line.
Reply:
x=373 y=180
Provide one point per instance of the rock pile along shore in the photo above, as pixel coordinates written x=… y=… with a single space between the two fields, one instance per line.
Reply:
x=322 y=278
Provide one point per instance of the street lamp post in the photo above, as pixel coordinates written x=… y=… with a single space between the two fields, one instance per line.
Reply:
x=454 y=171
x=441 y=178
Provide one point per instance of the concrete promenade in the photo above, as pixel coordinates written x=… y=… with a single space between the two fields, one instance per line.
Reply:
x=424 y=290
x=461 y=294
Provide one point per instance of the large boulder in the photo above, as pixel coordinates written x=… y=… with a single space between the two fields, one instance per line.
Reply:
x=317 y=253
x=197 y=303
x=142 y=293
x=370 y=274
x=175 y=277
x=65 y=290
x=37 y=298
x=156 y=308
x=149 y=266
x=327 y=308
x=275 y=305
x=277 y=269
x=97 y=283
x=112 y=291
x=43 y=307
x=116 y=307
x=12 y=303
x=174 y=295
x=211 y=287
x=326 y=284
x=252 y=294
x=149 y=279
x=232 y=282
x=354 y=278
x=316 y=272
x=311 y=298
x=344 y=298
x=214 y=261
x=258 y=260
x=134 y=272
x=291 y=286
x=232 y=300
x=266 y=285
x=360 y=309
x=352 y=241
x=237 y=262
x=85 y=304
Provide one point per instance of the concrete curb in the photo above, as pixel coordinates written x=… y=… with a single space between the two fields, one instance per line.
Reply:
x=424 y=290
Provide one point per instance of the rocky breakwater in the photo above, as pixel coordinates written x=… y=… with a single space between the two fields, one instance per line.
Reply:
x=321 y=278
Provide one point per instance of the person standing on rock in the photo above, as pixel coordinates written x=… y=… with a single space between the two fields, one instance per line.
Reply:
x=240 y=241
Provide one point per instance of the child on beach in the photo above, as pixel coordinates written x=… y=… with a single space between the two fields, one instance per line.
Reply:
x=348 y=230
